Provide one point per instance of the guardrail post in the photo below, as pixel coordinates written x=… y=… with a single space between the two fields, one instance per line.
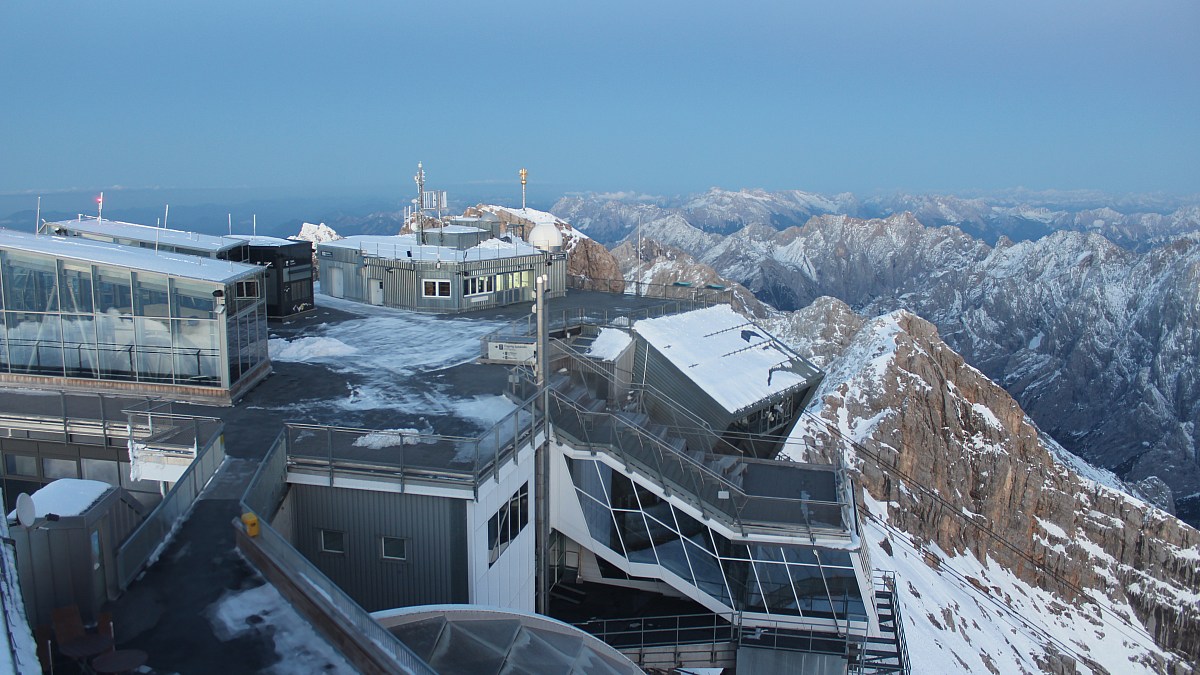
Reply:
x=329 y=449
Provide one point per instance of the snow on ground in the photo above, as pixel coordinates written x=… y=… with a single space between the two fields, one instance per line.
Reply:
x=307 y=349
x=388 y=438
x=968 y=616
x=382 y=349
x=21 y=656
x=263 y=611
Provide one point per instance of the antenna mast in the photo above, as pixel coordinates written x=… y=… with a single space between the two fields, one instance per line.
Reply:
x=37 y=219
x=524 y=177
x=100 y=207
x=418 y=221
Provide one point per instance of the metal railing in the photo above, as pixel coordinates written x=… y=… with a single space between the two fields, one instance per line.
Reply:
x=262 y=498
x=328 y=596
x=84 y=419
x=140 y=550
x=653 y=631
x=711 y=493
x=525 y=328
x=411 y=455
x=683 y=290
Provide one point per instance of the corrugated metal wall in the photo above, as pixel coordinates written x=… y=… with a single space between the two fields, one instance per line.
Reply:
x=435 y=570
x=653 y=368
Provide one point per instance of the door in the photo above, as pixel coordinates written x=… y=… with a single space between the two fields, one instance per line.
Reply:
x=376 y=287
x=337 y=287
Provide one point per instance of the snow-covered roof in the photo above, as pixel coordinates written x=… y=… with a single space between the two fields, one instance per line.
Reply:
x=259 y=240
x=175 y=264
x=732 y=360
x=148 y=234
x=66 y=497
x=408 y=247
x=609 y=344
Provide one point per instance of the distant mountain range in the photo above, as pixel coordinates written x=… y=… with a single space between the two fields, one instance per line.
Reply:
x=1135 y=222
x=1099 y=343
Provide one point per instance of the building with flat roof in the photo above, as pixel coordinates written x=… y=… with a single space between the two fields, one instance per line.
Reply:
x=288 y=282
x=453 y=268
x=82 y=315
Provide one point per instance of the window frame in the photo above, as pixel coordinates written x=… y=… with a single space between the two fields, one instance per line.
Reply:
x=439 y=285
x=324 y=545
x=383 y=553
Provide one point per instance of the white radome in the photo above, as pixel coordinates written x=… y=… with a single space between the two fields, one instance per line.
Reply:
x=546 y=237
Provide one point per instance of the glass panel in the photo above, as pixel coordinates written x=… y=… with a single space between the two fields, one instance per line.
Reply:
x=136 y=485
x=79 y=345
x=75 y=289
x=114 y=290
x=776 y=587
x=743 y=584
x=30 y=283
x=197 y=354
x=114 y=346
x=600 y=522
x=767 y=552
x=59 y=468
x=810 y=589
x=669 y=549
x=709 y=577
x=800 y=554
x=192 y=299
x=20 y=465
x=845 y=592
x=102 y=470
x=694 y=530
x=621 y=491
x=729 y=549
x=834 y=557
x=636 y=537
x=154 y=357
x=150 y=295
x=34 y=343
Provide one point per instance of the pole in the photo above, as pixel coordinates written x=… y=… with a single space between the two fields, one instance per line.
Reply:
x=542 y=463
x=37 y=219
x=100 y=207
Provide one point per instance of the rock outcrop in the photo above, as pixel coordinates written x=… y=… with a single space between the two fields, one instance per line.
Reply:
x=661 y=271
x=589 y=264
x=949 y=458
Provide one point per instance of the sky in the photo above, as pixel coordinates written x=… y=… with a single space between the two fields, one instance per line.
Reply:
x=665 y=97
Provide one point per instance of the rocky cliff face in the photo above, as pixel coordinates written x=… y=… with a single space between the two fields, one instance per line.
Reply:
x=589 y=263
x=954 y=470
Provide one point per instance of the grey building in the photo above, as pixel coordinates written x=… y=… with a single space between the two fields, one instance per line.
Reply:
x=80 y=315
x=454 y=268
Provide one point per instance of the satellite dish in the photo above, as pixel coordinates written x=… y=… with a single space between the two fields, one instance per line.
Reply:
x=26 y=511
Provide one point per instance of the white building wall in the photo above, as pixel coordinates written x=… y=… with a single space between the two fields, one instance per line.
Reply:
x=509 y=582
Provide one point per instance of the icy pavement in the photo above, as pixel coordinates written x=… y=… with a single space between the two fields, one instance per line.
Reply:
x=416 y=368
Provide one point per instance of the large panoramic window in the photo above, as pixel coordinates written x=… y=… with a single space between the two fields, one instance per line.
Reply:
x=507 y=523
x=479 y=285
x=433 y=288
x=637 y=524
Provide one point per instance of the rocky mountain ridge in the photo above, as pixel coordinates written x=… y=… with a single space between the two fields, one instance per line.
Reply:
x=1132 y=222
x=1009 y=559
x=1100 y=344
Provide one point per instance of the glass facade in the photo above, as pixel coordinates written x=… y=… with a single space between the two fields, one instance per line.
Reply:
x=77 y=319
x=788 y=580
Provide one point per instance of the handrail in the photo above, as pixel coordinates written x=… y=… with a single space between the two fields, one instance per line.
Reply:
x=668 y=629
x=710 y=492
x=303 y=573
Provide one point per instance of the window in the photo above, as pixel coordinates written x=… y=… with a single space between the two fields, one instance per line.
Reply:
x=333 y=541
x=432 y=288
x=394 y=548
x=247 y=289
x=20 y=465
x=59 y=468
x=479 y=285
x=507 y=523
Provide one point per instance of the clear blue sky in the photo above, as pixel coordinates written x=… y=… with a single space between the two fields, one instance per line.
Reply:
x=667 y=96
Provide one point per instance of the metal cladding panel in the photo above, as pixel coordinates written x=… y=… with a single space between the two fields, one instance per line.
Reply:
x=435 y=567
x=653 y=368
